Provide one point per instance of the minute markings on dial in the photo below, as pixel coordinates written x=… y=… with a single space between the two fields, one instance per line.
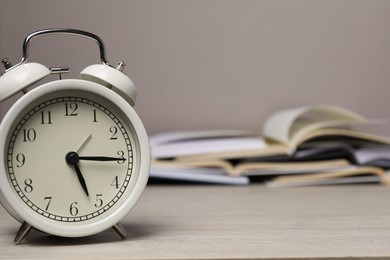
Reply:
x=21 y=129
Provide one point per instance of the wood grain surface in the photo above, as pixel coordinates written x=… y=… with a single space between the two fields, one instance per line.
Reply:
x=224 y=222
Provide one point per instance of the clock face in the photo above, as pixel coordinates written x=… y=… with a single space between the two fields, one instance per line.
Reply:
x=72 y=157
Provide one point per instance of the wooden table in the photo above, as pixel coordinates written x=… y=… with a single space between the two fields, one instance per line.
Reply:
x=225 y=222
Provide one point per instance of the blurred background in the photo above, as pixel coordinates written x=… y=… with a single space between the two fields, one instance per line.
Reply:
x=211 y=64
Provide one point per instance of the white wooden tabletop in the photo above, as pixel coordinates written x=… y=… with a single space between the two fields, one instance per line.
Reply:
x=225 y=222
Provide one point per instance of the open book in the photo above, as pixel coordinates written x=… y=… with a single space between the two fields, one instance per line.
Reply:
x=294 y=141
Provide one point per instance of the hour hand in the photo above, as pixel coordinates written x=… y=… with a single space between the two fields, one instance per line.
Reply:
x=81 y=178
x=73 y=159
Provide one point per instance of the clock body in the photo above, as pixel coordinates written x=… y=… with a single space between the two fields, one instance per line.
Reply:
x=41 y=185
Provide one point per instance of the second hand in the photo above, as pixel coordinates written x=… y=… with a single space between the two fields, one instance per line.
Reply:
x=84 y=144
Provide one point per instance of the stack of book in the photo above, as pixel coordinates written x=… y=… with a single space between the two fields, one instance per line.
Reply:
x=311 y=145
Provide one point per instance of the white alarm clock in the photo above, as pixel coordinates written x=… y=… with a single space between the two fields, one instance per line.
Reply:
x=74 y=154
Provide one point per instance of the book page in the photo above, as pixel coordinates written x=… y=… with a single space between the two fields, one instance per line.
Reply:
x=193 y=175
x=289 y=124
x=180 y=136
x=329 y=177
x=179 y=144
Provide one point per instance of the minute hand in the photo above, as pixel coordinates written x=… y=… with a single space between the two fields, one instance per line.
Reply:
x=101 y=158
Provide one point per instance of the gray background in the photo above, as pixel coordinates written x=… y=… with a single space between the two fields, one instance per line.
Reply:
x=219 y=64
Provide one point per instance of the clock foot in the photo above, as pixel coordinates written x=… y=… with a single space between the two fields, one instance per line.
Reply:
x=120 y=230
x=22 y=233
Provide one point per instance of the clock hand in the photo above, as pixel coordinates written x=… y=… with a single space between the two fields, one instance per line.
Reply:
x=81 y=179
x=73 y=159
x=95 y=158
x=84 y=144
x=101 y=158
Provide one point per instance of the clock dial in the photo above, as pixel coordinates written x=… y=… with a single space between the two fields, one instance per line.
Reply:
x=70 y=156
